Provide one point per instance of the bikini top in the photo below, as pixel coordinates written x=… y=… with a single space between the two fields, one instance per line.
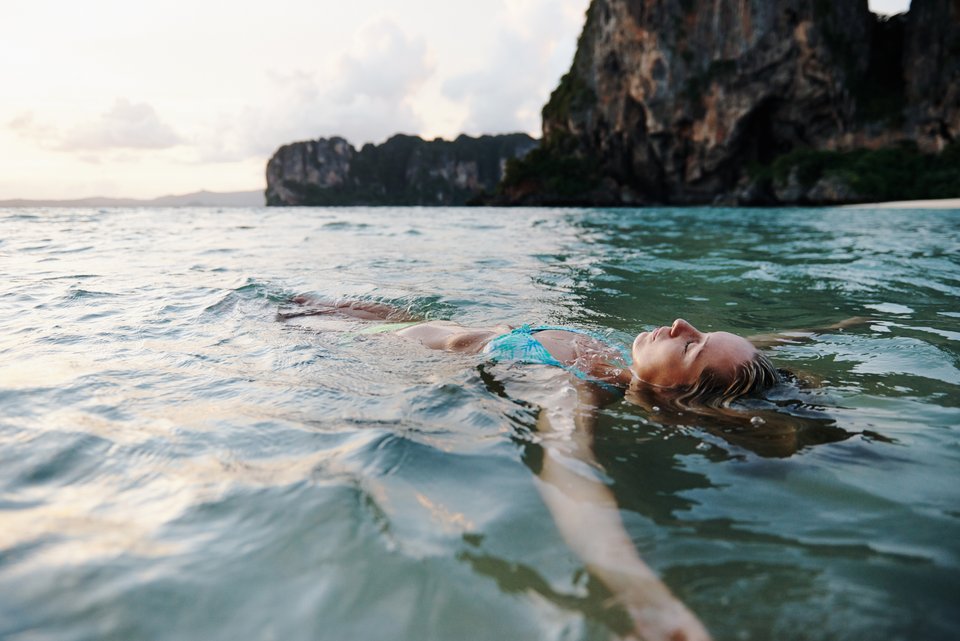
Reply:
x=520 y=346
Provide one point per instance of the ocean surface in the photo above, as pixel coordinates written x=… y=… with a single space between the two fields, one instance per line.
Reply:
x=177 y=463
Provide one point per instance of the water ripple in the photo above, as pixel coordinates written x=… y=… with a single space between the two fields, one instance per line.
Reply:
x=175 y=461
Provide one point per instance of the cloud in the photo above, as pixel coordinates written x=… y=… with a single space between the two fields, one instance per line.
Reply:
x=532 y=52
x=27 y=126
x=365 y=96
x=386 y=65
x=22 y=122
x=126 y=126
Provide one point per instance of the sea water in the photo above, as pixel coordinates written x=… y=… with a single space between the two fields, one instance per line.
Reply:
x=177 y=463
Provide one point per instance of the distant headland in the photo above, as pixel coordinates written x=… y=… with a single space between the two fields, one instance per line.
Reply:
x=728 y=102
x=404 y=170
x=195 y=199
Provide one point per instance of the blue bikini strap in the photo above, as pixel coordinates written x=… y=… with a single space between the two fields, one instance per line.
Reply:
x=624 y=352
x=548 y=359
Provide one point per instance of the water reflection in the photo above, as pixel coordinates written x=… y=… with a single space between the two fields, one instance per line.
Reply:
x=586 y=595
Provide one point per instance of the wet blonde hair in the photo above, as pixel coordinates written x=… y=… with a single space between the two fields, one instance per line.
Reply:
x=718 y=389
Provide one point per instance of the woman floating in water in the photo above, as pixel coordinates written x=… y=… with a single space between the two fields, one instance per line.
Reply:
x=676 y=364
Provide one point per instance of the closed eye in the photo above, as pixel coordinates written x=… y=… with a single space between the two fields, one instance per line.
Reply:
x=687 y=346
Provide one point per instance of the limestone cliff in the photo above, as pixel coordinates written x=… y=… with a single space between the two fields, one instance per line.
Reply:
x=688 y=101
x=404 y=170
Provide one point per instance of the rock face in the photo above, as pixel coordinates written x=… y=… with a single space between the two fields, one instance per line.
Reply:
x=678 y=101
x=932 y=69
x=405 y=170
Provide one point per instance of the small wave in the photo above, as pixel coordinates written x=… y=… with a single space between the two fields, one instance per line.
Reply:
x=206 y=268
x=253 y=291
x=257 y=289
x=900 y=356
x=345 y=225
x=75 y=250
x=891 y=308
x=38 y=248
x=61 y=459
x=70 y=277
x=83 y=294
x=22 y=217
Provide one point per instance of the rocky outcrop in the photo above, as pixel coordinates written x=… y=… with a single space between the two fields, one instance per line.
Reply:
x=932 y=69
x=688 y=101
x=405 y=170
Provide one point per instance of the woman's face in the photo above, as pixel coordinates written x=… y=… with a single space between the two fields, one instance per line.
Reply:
x=676 y=356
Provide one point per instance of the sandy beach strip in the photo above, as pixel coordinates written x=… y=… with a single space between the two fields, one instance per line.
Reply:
x=947 y=203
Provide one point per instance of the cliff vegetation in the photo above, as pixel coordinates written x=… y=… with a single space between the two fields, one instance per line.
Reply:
x=815 y=177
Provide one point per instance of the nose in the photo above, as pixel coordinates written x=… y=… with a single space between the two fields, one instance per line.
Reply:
x=681 y=327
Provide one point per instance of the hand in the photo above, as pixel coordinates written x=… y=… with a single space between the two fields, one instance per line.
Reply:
x=670 y=621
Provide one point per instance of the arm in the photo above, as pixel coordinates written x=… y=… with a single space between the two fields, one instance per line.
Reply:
x=442 y=335
x=586 y=513
x=803 y=335
x=361 y=310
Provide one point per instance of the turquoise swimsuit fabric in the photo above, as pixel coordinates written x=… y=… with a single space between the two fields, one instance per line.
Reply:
x=521 y=346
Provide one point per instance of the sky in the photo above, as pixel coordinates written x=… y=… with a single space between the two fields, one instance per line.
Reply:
x=143 y=99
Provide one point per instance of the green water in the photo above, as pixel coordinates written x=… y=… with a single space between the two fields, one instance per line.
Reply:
x=177 y=464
